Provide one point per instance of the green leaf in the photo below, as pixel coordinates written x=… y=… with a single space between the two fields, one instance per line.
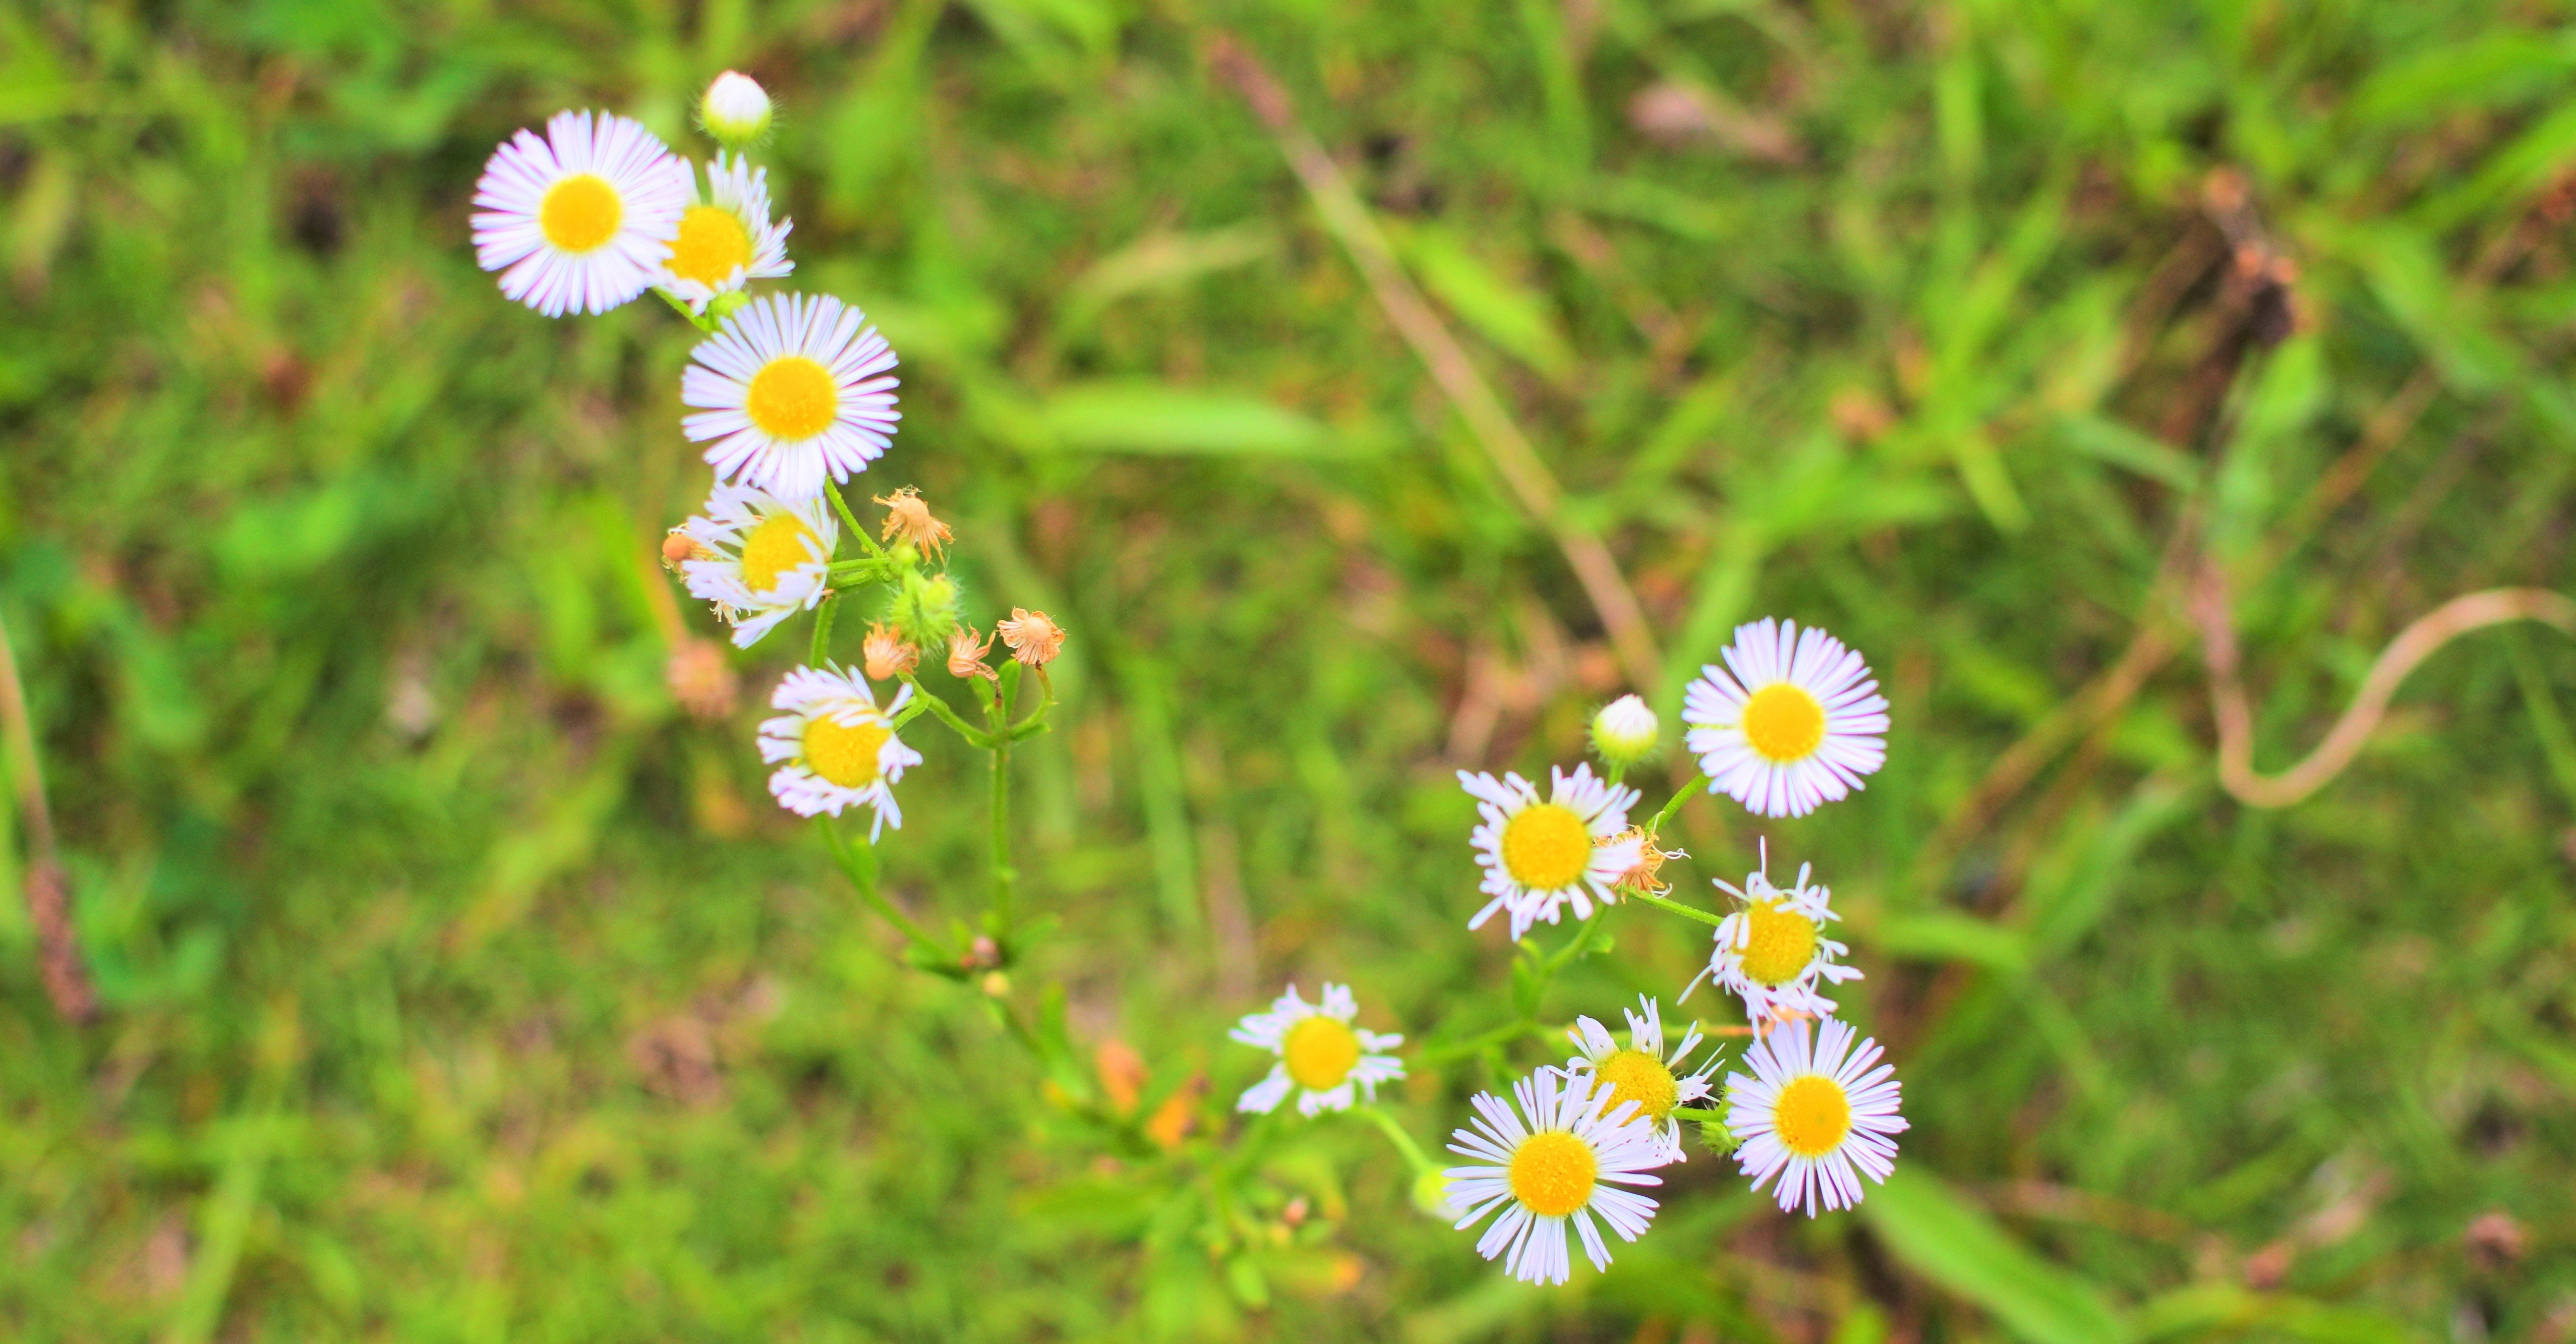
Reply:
x=1513 y=317
x=1178 y=421
x=1954 y=1244
x=1944 y=935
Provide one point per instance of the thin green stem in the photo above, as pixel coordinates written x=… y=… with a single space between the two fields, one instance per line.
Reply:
x=862 y=875
x=702 y=323
x=1006 y=877
x=822 y=650
x=1481 y=1041
x=1680 y=796
x=1574 y=947
x=866 y=543
x=1677 y=908
x=1413 y=1154
x=939 y=710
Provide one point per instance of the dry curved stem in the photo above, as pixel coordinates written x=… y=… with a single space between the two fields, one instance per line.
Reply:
x=2414 y=644
x=48 y=890
x=1494 y=429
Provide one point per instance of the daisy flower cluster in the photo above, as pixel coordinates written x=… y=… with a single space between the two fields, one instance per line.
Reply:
x=789 y=395
x=1561 y=1155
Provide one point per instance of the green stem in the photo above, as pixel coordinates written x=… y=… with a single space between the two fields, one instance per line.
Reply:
x=1656 y=827
x=866 y=543
x=939 y=710
x=1677 y=908
x=1478 y=1043
x=1413 y=1154
x=705 y=324
x=1573 y=946
x=1005 y=876
x=822 y=650
x=863 y=876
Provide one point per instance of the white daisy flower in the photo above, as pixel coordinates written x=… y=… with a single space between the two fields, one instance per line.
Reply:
x=1796 y=725
x=1320 y=1053
x=1538 y=856
x=1642 y=1073
x=1808 y=1118
x=838 y=749
x=1772 y=951
x=578 y=221
x=726 y=238
x=794 y=390
x=1562 y=1166
x=758 y=558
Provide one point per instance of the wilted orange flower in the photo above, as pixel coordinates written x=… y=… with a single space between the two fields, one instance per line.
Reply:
x=1641 y=876
x=1033 y=637
x=966 y=654
x=680 y=546
x=888 y=656
x=909 y=518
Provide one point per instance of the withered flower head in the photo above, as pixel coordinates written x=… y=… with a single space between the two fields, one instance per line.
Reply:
x=1033 y=637
x=1641 y=877
x=888 y=656
x=966 y=654
x=908 y=518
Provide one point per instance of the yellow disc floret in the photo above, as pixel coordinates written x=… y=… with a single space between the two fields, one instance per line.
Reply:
x=1781 y=943
x=581 y=213
x=775 y=547
x=1546 y=847
x=1552 y=1173
x=841 y=745
x=1784 y=722
x=1319 y=1052
x=792 y=397
x=1634 y=1075
x=712 y=245
x=1812 y=1115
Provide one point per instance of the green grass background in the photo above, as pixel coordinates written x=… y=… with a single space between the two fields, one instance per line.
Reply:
x=461 y=987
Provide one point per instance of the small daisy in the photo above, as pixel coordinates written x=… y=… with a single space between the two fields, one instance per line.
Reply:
x=1537 y=856
x=1562 y=1166
x=1809 y=1118
x=793 y=391
x=1796 y=725
x=759 y=558
x=839 y=750
x=1772 y=951
x=726 y=238
x=578 y=221
x=1643 y=1073
x=1320 y=1053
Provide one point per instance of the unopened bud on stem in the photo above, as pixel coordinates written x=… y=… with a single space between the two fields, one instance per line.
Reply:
x=735 y=109
x=1624 y=731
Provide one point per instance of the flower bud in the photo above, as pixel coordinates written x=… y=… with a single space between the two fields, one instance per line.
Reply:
x=1624 y=731
x=735 y=109
x=966 y=654
x=888 y=656
x=923 y=610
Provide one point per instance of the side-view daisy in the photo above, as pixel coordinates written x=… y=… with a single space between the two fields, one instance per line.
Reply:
x=1794 y=727
x=1563 y=1165
x=1809 y=1117
x=834 y=748
x=794 y=390
x=578 y=220
x=1771 y=951
x=759 y=558
x=726 y=238
x=1642 y=1073
x=1321 y=1055
x=1540 y=855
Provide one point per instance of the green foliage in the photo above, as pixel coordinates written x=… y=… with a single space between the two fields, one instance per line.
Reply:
x=462 y=984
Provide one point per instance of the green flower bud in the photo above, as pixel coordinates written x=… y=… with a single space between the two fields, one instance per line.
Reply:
x=735 y=110
x=924 y=609
x=1624 y=731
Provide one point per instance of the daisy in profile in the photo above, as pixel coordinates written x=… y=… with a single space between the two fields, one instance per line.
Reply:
x=1793 y=722
x=1642 y=1073
x=577 y=221
x=758 y=558
x=1320 y=1053
x=834 y=748
x=1808 y=1118
x=1564 y=1165
x=1539 y=855
x=726 y=238
x=1772 y=950
x=793 y=389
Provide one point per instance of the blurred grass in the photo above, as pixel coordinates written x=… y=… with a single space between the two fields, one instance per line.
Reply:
x=462 y=987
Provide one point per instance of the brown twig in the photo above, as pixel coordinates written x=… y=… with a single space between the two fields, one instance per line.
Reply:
x=1505 y=445
x=2412 y=646
x=48 y=891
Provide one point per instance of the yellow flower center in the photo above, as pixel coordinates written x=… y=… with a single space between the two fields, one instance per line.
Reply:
x=1552 y=1173
x=792 y=397
x=1634 y=1075
x=1782 y=943
x=773 y=548
x=1319 y=1052
x=1546 y=847
x=712 y=243
x=1812 y=1115
x=580 y=213
x=845 y=753
x=1784 y=722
